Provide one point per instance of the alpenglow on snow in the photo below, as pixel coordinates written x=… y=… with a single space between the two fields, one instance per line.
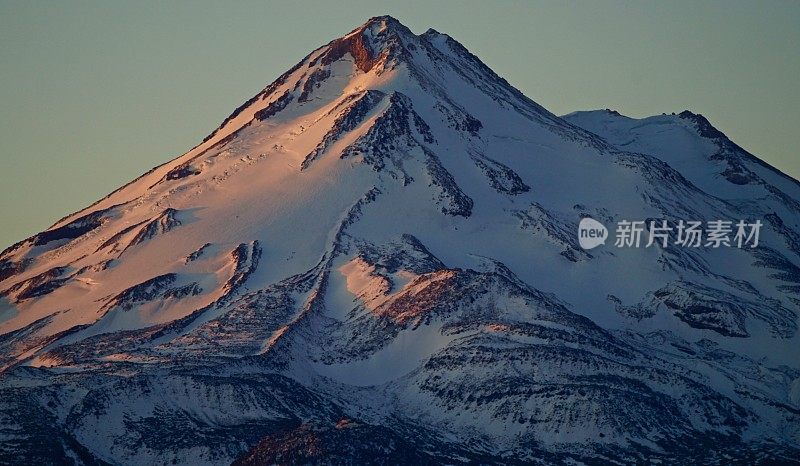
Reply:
x=378 y=256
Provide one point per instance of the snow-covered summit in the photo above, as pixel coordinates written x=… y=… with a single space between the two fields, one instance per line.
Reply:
x=382 y=244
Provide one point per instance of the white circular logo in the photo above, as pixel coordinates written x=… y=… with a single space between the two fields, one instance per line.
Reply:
x=591 y=233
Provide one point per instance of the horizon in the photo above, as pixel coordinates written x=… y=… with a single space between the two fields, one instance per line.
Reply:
x=85 y=83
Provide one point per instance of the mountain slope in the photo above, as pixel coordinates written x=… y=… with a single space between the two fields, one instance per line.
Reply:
x=386 y=234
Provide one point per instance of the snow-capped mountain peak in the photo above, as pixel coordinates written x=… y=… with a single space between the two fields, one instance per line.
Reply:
x=382 y=244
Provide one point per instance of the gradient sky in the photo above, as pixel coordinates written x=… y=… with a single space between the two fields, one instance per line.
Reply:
x=94 y=93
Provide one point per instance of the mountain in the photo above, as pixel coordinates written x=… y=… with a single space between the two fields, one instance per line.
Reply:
x=376 y=259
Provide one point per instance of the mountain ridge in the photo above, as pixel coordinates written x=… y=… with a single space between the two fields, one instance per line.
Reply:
x=387 y=235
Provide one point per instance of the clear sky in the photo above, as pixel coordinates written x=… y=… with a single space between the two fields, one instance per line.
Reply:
x=94 y=93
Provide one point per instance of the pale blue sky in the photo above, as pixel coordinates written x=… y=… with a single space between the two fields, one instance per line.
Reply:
x=96 y=92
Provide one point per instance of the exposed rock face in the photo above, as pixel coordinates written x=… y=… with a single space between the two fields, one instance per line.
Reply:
x=345 y=442
x=375 y=260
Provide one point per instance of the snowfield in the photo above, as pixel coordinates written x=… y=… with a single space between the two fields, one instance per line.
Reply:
x=375 y=259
